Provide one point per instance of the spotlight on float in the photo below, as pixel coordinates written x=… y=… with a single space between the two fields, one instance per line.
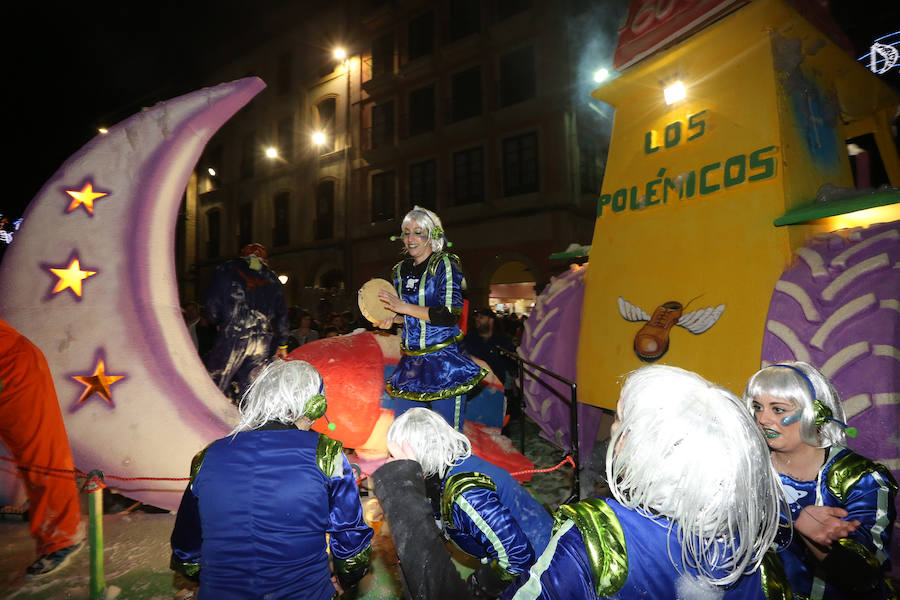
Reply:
x=674 y=92
x=283 y=279
x=601 y=76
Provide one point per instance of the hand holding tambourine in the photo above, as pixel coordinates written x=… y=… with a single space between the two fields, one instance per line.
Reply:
x=378 y=301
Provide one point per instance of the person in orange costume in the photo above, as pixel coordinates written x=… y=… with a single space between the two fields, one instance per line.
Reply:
x=32 y=428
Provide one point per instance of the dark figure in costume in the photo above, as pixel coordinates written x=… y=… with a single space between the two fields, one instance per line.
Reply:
x=695 y=508
x=842 y=504
x=432 y=371
x=483 y=510
x=246 y=301
x=31 y=426
x=254 y=518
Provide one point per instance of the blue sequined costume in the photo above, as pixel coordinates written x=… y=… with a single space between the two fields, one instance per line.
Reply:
x=488 y=514
x=253 y=520
x=248 y=306
x=867 y=491
x=432 y=367
x=601 y=549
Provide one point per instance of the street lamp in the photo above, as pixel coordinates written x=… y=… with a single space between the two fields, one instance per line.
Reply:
x=340 y=53
x=272 y=152
x=318 y=138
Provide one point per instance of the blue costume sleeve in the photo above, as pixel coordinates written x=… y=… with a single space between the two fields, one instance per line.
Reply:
x=187 y=534
x=350 y=536
x=871 y=502
x=453 y=299
x=479 y=513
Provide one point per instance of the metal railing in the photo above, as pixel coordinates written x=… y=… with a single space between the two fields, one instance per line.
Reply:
x=573 y=413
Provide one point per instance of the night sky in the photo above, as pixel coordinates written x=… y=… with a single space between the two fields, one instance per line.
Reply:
x=92 y=63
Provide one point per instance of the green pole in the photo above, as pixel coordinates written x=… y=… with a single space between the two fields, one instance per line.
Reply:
x=94 y=487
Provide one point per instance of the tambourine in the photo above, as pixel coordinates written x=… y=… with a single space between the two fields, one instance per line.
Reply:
x=370 y=305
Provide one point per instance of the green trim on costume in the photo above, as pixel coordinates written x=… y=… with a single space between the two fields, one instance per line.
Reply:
x=459 y=483
x=448 y=283
x=774 y=580
x=456 y=390
x=532 y=588
x=849 y=469
x=328 y=456
x=604 y=542
x=197 y=462
x=437 y=257
x=861 y=551
x=191 y=569
x=489 y=534
x=434 y=348
x=423 y=323
x=357 y=562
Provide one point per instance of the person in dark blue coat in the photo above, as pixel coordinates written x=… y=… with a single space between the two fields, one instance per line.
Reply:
x=254 y=519
x=245 y=301
x=483 y=510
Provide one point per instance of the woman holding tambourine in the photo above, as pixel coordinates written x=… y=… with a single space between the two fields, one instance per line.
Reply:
x=428 y=302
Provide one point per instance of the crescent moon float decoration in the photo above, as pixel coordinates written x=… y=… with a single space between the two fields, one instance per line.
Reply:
x=90 y=280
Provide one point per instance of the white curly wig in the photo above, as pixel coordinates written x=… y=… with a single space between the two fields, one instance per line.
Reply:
x=437 y=446
x=280 y=393
x=687 y=450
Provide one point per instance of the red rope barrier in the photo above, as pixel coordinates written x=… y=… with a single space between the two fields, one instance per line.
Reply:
x=567 y=459
x=42 y=469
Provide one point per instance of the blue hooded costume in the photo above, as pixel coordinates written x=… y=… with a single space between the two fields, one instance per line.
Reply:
x=248 y=306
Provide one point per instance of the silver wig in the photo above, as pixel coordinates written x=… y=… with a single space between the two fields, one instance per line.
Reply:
x=687 y=450
x=429 y=222
x=785 y=383
x=280 y=393
x=437 y=445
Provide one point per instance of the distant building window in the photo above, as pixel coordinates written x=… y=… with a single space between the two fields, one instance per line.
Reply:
x=520 y=164
x=421 y=36
x=286 y=138
x=248 y=155
x=517 y=79
x=283 y=75
x=281 y=229
x=466 y=94
x=509 y=8
x=465 y=18
x=468 y=176
x=324 y=228
x=383 y=186
x=383 y=55
x=325 y=113
x=421 y=110
x=383 y=125
x=245 y=224
x=588 y=164
x=214 y=233
x=423 y=184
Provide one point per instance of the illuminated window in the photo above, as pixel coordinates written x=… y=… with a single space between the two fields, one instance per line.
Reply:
x=325 y=111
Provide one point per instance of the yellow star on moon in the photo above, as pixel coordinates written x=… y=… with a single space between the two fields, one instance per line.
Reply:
x=98 y=383
x=85 y=198
x=71 y=277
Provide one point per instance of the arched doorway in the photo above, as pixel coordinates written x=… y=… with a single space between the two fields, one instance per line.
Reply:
x=512 y=289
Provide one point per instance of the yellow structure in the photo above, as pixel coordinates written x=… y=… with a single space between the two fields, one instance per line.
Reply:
x=692 y=188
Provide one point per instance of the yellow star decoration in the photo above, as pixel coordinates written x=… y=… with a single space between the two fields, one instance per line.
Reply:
x=71 y=277
x=99 y=382
x=85 y=198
